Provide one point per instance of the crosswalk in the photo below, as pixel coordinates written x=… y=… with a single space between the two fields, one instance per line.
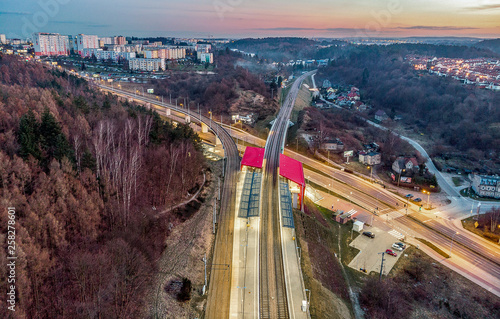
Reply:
x=394 y=214
x=396 y=234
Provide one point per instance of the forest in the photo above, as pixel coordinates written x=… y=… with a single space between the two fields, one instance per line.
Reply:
x=460 y=120
x=214 y=92
x=86 y=174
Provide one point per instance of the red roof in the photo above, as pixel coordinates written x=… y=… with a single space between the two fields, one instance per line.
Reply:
x=253 y=157
x=292 y=170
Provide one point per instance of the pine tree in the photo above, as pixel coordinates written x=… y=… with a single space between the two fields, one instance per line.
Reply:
x=29 y=136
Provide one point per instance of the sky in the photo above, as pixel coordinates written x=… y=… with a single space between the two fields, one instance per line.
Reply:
x=252 y=18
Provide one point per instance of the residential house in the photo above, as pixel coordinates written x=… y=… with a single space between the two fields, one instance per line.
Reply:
x=370 y=158
x=333 y=145
x=327 y=84
x=486 y=186
x=406 y=163
x=381 y=116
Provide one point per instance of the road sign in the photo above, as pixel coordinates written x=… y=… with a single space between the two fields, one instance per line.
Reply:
x=151 y=91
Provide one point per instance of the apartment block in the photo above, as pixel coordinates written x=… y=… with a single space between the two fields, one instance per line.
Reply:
x=144 y=64
x=50 y=44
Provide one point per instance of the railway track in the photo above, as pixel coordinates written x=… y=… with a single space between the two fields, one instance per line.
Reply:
x=272 y=292
x=220 y=270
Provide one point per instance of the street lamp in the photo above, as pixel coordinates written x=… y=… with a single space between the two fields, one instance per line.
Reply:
x=451 y=246
x=400 y=172
x=428 y=198
x=371 y=172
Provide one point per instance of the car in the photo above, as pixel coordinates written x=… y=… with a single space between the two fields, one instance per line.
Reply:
x=390 y=252
x=400 y=244
x=409 y=196
x=417 y=200
x=369 y=234
x=397 y=247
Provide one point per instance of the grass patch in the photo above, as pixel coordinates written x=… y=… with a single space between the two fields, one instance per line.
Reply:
x=434 y=247
x=469 y=224
x=469 y=192
x=458 y=181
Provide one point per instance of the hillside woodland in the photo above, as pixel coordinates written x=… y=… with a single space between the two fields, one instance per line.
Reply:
x=86 y=174
x=460 y=120
x=219 y=91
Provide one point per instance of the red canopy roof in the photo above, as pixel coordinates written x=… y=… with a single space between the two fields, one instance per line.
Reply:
x=292 y=169
x=253 y=157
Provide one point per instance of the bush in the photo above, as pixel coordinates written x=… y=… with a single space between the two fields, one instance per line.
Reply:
x=185 y=293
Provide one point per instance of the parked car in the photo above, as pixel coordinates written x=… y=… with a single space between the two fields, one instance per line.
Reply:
x=397 y=247
x=390 y=252
x=400 y=244
x=369 y=234
x=417 y=200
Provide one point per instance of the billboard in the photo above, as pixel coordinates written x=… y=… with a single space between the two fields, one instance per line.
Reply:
x=405 y=180
x=348 y=153
x=151 y=91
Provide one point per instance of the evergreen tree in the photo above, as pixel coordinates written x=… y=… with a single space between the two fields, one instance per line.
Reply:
x=29 y=136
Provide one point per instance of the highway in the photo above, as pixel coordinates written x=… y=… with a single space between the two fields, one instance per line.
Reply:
x=220 y=266
x=470 y=255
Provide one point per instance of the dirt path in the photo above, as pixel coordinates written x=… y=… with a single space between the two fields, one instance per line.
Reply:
x=186 y=201
x=183 y=258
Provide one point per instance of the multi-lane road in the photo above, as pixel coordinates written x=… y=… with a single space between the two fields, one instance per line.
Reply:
x=476 y=258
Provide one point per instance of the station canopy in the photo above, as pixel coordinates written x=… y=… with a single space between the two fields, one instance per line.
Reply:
x=292 y=170
x=253 y=157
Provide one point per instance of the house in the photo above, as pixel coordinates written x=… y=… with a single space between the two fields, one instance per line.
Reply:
x=486 y=186
x=381 y=116
x=404 y=163
x=370 y=158
x=333 y=145
x=331 y=96
x=327 y=84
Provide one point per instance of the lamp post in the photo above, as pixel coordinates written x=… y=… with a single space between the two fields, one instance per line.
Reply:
x=371 y=172
x=451 y=246
x=400 y=172
x=428 y=198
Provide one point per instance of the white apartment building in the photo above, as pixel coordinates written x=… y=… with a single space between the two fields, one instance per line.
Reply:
x=146 y=64
x=50 y=44
x=100 y=54
x=84 y=41
x=205 y=57
x=3 y=39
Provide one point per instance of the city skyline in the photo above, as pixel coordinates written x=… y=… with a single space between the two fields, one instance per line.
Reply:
x=238 y=18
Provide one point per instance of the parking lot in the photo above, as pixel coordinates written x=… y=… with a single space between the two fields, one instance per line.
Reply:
x=370 y=256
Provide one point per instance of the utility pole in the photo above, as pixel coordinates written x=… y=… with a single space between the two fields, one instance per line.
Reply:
x=381 y=268
x=219 y=187
x=205 y=262
x=214 y=216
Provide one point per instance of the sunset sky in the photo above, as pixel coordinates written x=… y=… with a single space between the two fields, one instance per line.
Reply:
x=243 y=18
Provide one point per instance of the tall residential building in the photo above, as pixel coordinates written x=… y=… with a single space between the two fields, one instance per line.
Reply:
x=205 y=57
x=50 y=44
x=120 y=40
x=147 y=64
x=3 y=39
x=84 y=41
